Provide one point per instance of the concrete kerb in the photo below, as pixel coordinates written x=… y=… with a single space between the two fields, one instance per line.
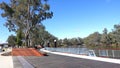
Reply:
x=110 y=60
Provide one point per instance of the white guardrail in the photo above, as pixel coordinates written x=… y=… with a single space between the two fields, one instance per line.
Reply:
x=85 y=51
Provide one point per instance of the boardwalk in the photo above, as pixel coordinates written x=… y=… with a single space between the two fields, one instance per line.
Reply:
x=58 y=61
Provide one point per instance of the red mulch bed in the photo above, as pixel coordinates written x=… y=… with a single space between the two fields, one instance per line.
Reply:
x=25 y=52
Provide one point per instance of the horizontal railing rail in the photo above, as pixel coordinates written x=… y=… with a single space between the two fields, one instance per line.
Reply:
x=86 y=51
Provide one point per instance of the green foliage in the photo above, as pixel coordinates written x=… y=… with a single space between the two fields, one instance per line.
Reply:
x=40 y=36
x=19 y=37
x=93 y=40
x=12 y=40
x=73 y=42
x=25 y=15
x=105 y=40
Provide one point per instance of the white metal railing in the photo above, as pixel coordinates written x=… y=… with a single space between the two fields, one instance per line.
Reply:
x=81 y=51
x=108 y=53
x=85 y=51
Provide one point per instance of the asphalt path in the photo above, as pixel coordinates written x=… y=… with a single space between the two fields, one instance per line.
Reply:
x=16 y=62
x=58 y=61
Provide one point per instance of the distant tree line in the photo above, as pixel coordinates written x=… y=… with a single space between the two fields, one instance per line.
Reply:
x=105 y=40
x=70 y=42
x=95 y=40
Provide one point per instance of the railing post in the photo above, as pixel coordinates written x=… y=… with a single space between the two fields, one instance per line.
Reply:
x=107 y=53
x=99 y=53
x=113 y=53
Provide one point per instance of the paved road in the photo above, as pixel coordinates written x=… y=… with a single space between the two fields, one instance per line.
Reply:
x=57 y=61
x=16 y=62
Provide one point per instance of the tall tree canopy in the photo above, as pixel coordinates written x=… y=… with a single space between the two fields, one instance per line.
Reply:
x=25 y=15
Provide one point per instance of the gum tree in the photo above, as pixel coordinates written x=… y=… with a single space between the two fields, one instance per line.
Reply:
x=25 y=15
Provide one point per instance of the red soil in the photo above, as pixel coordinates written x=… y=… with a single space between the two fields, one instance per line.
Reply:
x=25 y=52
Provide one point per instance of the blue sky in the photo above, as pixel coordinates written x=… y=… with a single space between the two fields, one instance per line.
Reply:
x=77 y=18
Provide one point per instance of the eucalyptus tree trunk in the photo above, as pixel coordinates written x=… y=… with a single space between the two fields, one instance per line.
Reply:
x=28 y=27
